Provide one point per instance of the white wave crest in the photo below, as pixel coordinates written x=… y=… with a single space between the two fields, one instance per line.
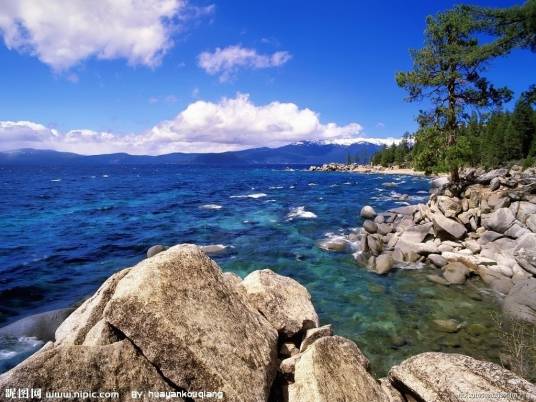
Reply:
x=211 y=206
x=254 y=195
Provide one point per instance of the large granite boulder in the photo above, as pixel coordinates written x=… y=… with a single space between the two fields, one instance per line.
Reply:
x=489 y=176
x=194 y=327
x=118 y=367
x=523 y=210
x=520 y=302
x=450 y=226
x=499 y=221
x=334 y=369
x=171 y=322
x=284 y=302
x=449 y=206
x=443 y=377
x=75 y=328
x=525 y=252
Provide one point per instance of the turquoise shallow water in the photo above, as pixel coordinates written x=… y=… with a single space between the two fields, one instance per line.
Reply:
x=65 y=230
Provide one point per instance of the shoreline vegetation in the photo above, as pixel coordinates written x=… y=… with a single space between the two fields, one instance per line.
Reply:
x=176 y=324
x=357 y=168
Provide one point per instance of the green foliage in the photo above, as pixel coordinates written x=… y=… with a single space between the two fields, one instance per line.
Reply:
x=489 y=141
x=447 y=71
x=513 y=27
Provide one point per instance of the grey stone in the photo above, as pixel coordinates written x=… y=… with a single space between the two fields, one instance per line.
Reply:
x=406 y=210
x=523 y=210
x=443 y=377
x=525 y=252
x=370 y=226
x=334 y=369
x=41 y=326
x=455 y=272
x=437 y=260
x=313 y=334
x=384 y=263
x=450 y=226
x=499 y=221
x=487 y=177
x=385 y=228
x=154 y=250
x=531 y=223
x=449 y=206
x=489 y=236
x=367 y=212
x=520 y=302
x=494 y=184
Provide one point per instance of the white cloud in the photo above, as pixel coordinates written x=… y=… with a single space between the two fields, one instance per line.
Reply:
x=230 y=124
x=63 y=33
x=225 y=62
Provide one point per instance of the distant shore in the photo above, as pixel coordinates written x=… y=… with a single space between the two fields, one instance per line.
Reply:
x=353 y=167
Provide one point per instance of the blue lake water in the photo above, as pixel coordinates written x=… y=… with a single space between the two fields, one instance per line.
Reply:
x=66 y=229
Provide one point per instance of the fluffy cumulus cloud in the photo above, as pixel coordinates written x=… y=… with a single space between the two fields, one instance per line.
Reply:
x=225 y=62
x=230 y=124
x=63 y=33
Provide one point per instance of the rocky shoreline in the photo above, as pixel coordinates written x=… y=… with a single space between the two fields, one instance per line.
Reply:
x=484 y=226
x=175 y=325
x=356 y=168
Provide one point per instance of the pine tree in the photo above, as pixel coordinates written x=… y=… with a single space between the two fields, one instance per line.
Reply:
x=447 y=71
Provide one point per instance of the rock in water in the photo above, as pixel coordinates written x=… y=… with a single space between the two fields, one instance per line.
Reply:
x=384 y=263
x=174 y=321
x=42 y=326
x=455 y=273
x=444 y=377
x=213 y=250
x=284 y=302
x=334 y=369
x=367 y=212
x=154 y=250
x=180 y=294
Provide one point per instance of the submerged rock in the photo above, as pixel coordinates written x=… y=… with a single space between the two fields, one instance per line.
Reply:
x=284 y=302
x=213 y=250
x=455 y=272
x=443 y=377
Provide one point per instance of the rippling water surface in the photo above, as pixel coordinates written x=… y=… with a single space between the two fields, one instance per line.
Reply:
x=65 y=230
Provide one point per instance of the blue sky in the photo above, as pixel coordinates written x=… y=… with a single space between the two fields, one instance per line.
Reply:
x=337 y=59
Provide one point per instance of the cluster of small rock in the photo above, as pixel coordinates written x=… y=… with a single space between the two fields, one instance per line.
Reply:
x=488 y=229
x=176 y=323
x=348 y=167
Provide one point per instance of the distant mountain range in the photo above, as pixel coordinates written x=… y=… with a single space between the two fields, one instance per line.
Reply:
x=305 y=152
